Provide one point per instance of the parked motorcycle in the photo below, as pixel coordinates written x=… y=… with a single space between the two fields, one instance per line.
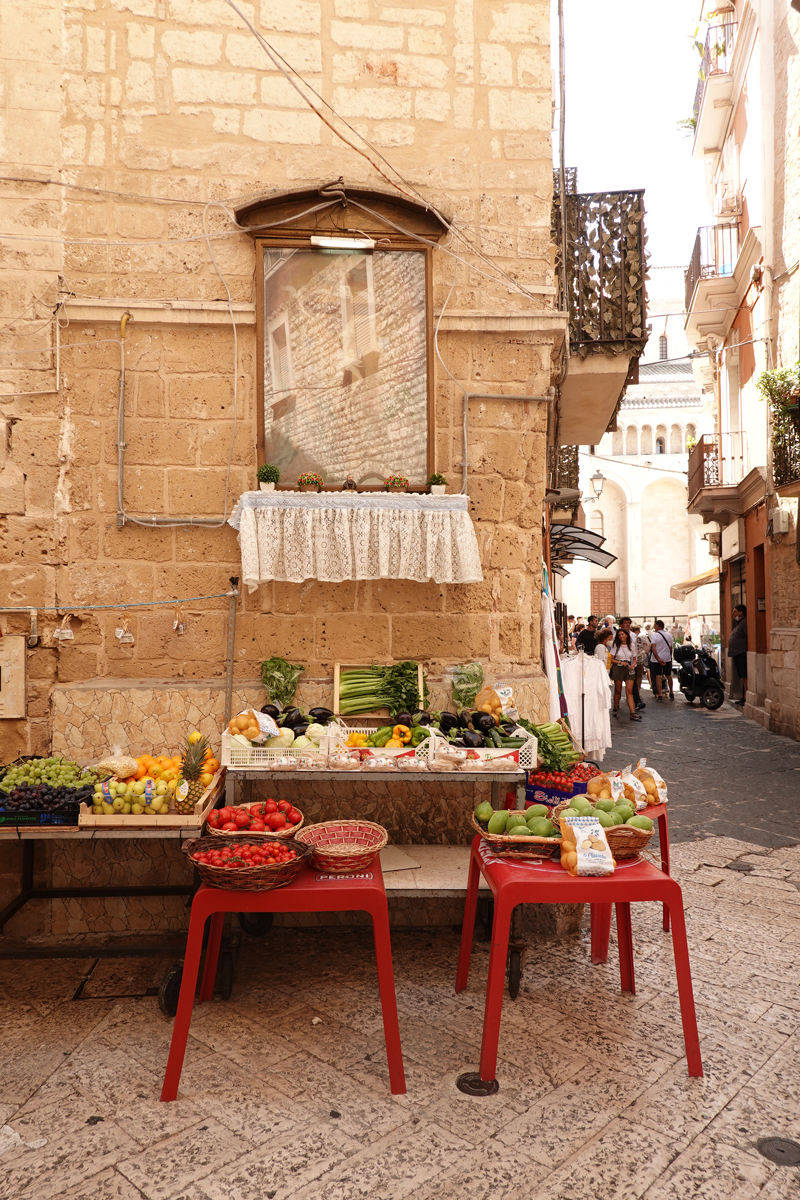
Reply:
x=698 y=676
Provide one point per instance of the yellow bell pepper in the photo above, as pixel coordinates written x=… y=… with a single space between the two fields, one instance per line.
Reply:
x=403 y=733
x=394 y=744
x=356 y=740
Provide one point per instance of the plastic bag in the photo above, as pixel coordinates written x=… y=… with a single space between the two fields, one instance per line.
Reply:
x=584 y=848
x=655 y=787
x=497 y=700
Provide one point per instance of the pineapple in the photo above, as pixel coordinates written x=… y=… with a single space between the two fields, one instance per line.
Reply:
x=190 y=789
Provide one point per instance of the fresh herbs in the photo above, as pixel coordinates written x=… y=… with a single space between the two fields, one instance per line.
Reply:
x=280 y=679
x=467 y=682
x=363 y=689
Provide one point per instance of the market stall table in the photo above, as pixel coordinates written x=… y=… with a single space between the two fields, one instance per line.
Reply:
x=309 y=891
x=546 y=882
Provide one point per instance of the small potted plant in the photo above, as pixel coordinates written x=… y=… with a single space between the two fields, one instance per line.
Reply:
x=267 y=477
x=437 y=484
x=310 y=481
x=395 y=483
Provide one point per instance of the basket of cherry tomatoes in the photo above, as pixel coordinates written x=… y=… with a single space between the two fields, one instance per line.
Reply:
x=257 y=863
x=279 y=817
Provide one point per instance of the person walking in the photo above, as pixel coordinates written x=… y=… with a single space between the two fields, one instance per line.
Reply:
x=602 y=649
x=737 y=649
x=625 y=623
x=587 y=638
x=642 y=655
x=623 y=667
x=661 y=661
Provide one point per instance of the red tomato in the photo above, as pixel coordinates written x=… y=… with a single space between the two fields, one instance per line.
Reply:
x=230 y=827
x=283 y=806
x=213 y=817
x=294 y=816
x=276 y=820
x=242 y=818
x=257 y=826
x=270 y=806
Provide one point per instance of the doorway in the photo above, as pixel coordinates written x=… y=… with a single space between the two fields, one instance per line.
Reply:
x=604 y=598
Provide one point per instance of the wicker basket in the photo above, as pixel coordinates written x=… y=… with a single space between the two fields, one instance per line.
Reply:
x=246 y=879
x=342 y=847
x=624 y=841
x=289 y=832
x=505 y=846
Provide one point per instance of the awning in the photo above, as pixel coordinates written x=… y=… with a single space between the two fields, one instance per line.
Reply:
x=568 y=542
x=680 y=591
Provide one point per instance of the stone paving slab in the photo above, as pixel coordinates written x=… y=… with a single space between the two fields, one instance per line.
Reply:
x=594 y=1097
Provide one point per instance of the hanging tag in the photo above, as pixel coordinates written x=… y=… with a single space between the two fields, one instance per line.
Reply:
x=123 y=632
x=106 y=791
x=148 y=790
x=64 y=633
x=179 y=622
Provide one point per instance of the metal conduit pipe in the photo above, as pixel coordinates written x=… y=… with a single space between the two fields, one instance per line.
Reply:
x=487 y=396
x=234 y=580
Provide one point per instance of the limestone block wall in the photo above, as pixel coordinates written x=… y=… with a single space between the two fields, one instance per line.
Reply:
x=147 y=112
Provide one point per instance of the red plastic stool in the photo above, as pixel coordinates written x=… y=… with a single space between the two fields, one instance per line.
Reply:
x=545 y=882
x=601 y=913
x=310 y=891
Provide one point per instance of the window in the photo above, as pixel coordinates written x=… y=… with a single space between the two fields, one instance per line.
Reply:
x=345 y=356
x=596 y=523
x=660 y=445
x=662 y=347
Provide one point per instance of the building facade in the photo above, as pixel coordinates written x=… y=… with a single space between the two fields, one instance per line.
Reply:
x=742 y=305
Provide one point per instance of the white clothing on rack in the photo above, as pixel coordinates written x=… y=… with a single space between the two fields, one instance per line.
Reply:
x=596 y=717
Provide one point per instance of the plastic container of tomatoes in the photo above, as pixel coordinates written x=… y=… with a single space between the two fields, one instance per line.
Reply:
x=551 y=787
x=277 y=817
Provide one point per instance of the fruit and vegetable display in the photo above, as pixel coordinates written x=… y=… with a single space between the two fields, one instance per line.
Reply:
x=533 y=822
x=45 y=785
x=246 y=854
x=155 y=785
x=268 y=816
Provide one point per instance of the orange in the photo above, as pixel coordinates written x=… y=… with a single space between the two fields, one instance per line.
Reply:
x=142 y=771
x=162 y=759
x=212 y=765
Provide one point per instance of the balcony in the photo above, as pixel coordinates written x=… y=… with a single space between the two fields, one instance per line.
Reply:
x=721 y=483
x=786 y=456
x=712 y=101
x=606 y=306
x=714 y=255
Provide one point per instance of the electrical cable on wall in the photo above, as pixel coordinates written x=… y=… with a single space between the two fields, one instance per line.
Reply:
x=59 y=608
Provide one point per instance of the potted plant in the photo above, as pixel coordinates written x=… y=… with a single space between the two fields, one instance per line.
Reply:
x=781 y=388
x=437 y=484
x=395 y=483
x=268 y=476
x=310 y=481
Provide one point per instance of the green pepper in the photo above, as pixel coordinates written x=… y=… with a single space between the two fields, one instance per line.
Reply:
x=419 y=734
x=381 y=736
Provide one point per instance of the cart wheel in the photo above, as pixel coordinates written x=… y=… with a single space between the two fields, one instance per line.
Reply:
x=170 y=990
x=256 y=924
x=225 y=971
x=514 y=973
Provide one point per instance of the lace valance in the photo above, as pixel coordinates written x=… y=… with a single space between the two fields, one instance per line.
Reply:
x=332 y=536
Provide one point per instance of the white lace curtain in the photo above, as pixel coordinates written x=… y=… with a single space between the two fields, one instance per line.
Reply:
x=293 y=536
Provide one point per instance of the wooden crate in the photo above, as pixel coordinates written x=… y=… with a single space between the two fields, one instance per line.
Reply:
x=89 y=820
x=376 y=717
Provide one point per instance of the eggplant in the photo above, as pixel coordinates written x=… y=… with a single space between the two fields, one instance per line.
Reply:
x=448 y=721
x=464 y=718
x=422 y=718
x=291 y=717
x=473 y=740
x=321 y=715
x=299 y=730
x=272 y=710
x=403 y=718
x=483 y=722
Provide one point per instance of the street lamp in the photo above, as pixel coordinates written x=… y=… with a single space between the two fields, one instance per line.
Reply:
x=597 y=480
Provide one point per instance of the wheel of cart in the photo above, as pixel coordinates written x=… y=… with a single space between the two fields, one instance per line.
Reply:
x=256 y=924
x=170 y=988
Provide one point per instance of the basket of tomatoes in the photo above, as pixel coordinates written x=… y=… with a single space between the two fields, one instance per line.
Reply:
x=264 y=816
x=256 y=864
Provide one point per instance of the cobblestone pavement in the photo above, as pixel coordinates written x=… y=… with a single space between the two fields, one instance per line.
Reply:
x=285 y=1092
x=727 y=776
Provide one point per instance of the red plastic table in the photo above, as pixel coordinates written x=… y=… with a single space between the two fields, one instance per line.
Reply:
x=601 y=913
x=545 y=882
x=310 y=891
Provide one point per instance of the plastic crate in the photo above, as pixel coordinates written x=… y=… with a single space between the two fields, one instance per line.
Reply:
x=256 y=756
x=67 y=816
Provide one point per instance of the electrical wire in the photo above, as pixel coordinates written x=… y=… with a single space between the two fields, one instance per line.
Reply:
x=57 y=608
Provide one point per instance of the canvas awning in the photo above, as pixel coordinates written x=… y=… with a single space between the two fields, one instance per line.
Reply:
x=680 y=591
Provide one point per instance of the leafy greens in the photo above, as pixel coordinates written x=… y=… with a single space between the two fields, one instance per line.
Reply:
x=280 y=679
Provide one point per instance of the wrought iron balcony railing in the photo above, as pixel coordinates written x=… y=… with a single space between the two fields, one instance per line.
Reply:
x=720 y=460
x=567 y=468
x=717 y=58
x=786 y=452
x=605 y=268
x=715 y=251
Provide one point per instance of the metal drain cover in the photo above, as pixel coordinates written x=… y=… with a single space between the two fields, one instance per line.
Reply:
x=471 y=1084
x=780 y=1150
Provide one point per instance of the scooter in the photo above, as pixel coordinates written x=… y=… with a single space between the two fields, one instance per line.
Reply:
x=699 y=676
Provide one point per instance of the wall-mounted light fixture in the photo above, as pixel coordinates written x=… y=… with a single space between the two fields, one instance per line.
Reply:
x=597 y=480
x=342 y=243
